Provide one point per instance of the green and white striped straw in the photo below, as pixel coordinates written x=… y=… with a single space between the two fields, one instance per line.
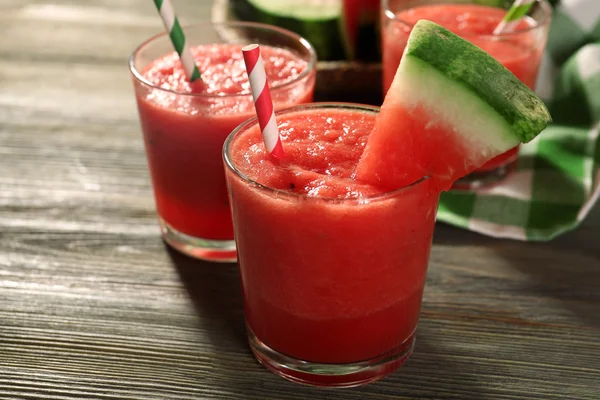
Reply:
x=515 y=14
x=167 y=13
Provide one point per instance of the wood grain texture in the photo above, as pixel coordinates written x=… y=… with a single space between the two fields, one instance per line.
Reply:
x=94 y=306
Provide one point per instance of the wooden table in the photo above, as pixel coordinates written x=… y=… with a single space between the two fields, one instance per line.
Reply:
x=93 y=305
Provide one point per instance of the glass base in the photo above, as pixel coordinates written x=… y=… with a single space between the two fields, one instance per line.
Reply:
x=479 y=179
x=330 y=375
x=204 y=249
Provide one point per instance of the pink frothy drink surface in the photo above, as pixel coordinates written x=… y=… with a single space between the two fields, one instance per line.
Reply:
x=185 y=126
x=331 y=273
x=520 y=53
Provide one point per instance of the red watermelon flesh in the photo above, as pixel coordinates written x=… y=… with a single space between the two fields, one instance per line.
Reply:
x=400 y=150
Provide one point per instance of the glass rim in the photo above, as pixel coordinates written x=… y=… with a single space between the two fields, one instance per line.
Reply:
x=311 y=66
x=546 y=7
x=283 y=193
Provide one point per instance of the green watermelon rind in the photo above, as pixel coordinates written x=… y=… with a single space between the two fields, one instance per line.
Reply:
x=475 y=77
x=321 y=27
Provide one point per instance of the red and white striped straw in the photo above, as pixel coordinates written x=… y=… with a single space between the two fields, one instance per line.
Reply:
x=263 y=103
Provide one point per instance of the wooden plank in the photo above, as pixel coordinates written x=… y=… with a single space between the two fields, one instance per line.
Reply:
x=99 y=31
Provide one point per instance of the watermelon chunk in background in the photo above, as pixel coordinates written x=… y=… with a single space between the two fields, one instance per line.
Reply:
x=338 y=29
x=451 y=107
x=319 y=22
x=361 y=26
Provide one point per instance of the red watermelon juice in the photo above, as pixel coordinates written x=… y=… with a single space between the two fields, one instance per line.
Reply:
x=520 y=52
x=184 y=127
x=332 y=269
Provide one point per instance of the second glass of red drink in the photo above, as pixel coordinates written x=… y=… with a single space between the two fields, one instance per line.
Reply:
x=185 y=124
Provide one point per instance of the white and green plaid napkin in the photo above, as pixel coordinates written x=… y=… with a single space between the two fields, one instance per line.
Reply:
x=557 y=180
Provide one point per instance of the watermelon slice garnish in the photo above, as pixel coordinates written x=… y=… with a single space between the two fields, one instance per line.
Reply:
x=450 y=108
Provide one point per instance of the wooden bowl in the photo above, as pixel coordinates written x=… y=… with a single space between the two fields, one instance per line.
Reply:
x=346 y=81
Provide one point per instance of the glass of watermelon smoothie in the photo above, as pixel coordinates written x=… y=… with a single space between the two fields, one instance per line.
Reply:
x=184 y=125
x=332 y=269
x=520 y=51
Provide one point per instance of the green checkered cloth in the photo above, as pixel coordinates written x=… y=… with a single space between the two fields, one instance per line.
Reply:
x=557 y=179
